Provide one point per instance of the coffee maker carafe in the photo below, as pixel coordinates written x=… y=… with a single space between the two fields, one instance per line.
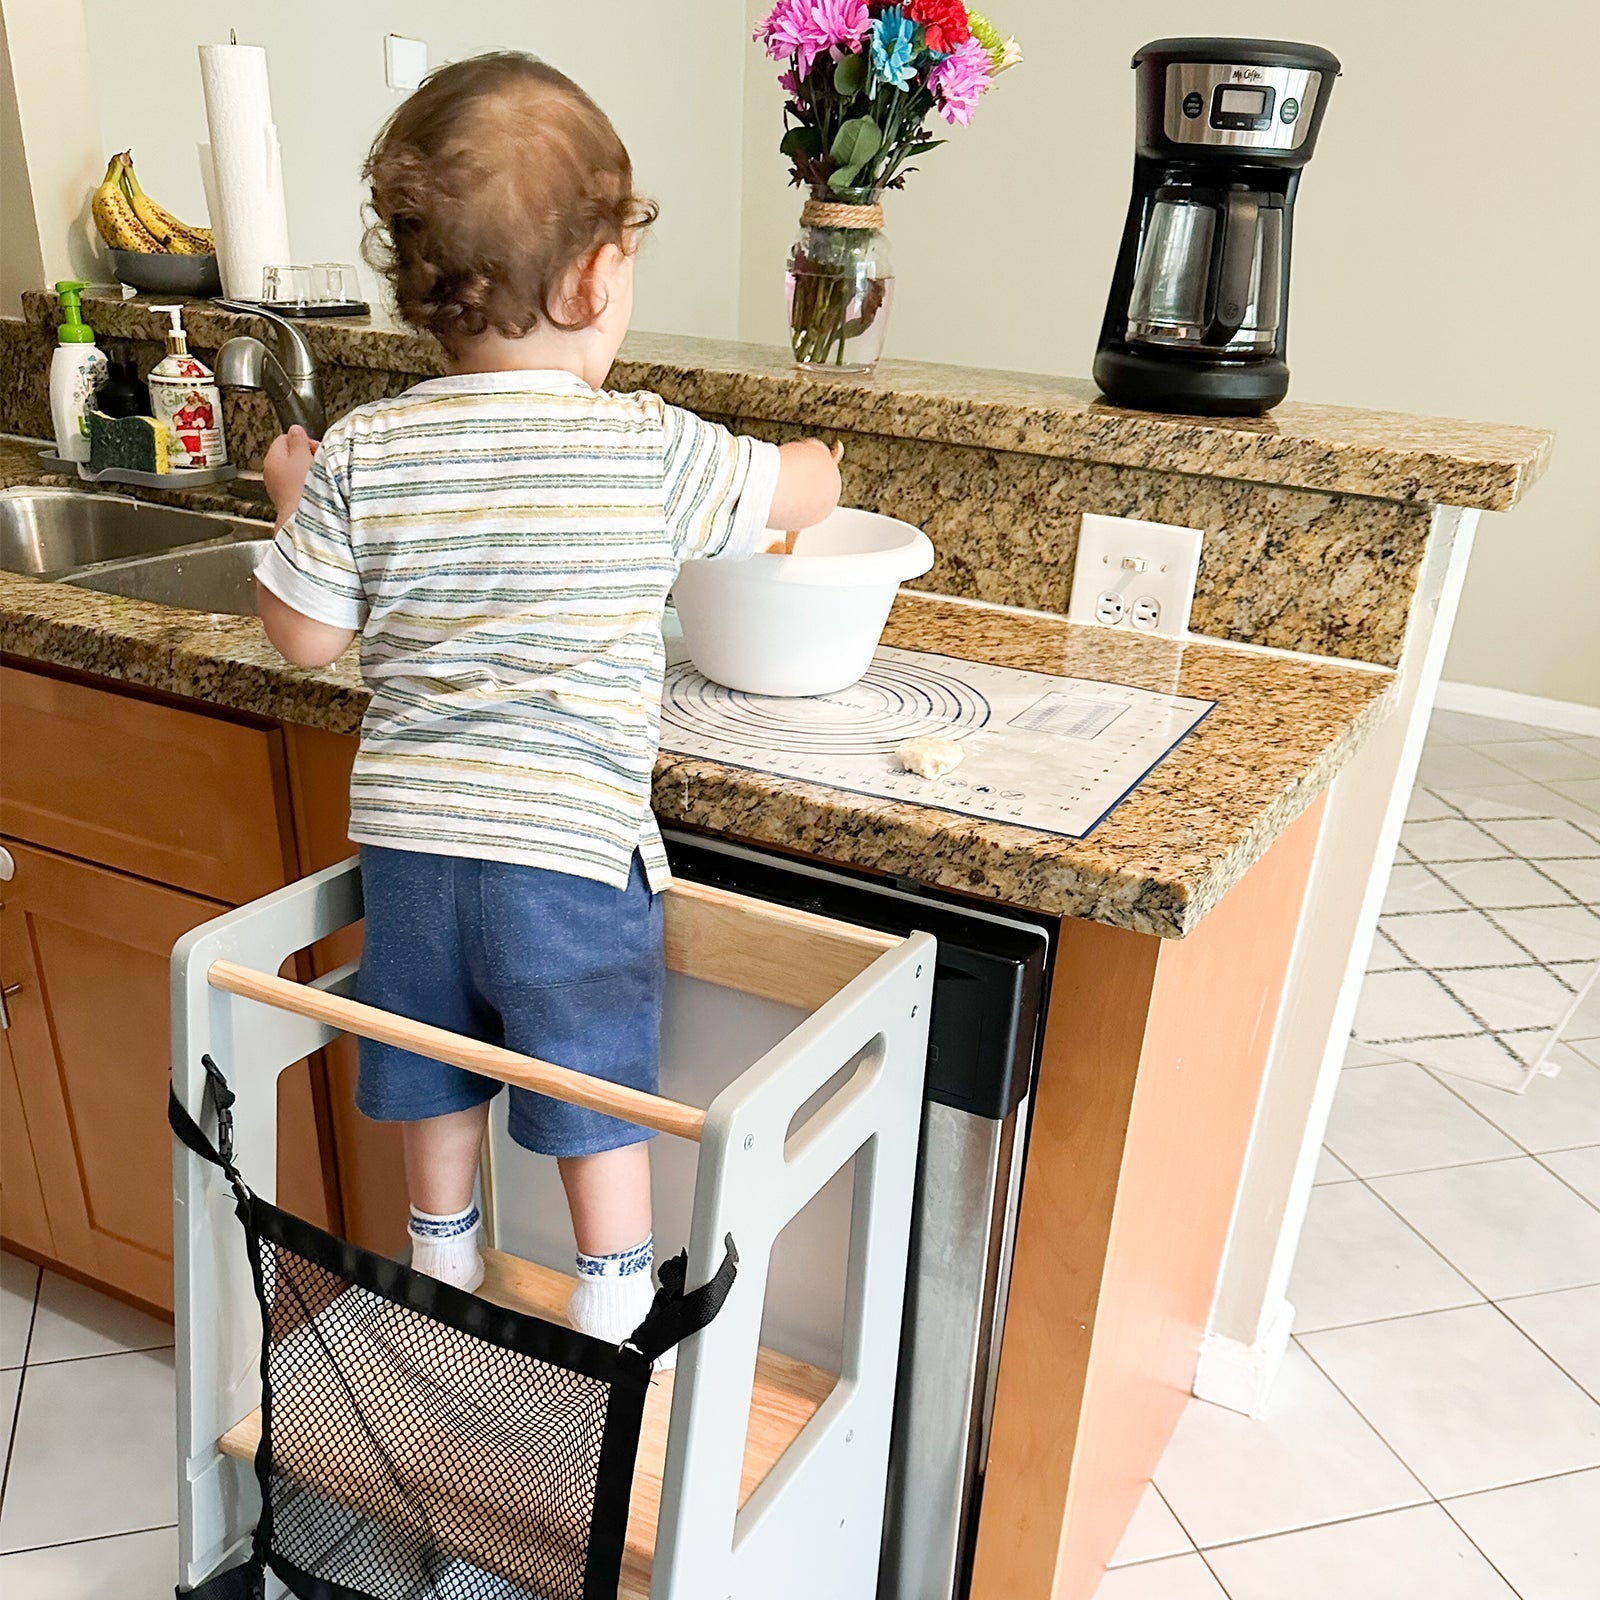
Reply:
x=1197 y=318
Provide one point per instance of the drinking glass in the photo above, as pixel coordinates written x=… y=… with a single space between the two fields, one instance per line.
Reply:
x=281 y=286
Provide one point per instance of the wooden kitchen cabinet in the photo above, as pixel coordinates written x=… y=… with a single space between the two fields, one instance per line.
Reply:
x=88 y=1062
x=89 y=1034
x=22 y=1214
x=132 y=818
x=177 y=796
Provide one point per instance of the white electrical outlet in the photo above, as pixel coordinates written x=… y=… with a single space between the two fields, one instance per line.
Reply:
x=405 y=61
x=1132 y=574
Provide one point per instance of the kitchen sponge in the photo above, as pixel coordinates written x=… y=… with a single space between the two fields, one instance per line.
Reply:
x=131 y=444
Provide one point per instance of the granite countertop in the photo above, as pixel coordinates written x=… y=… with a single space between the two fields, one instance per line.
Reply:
x=1339 y=449
x=1283 y=726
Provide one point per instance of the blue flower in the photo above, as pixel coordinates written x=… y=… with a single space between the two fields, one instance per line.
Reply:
x=893 y=41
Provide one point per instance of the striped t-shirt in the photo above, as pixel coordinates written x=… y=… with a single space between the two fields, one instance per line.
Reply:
x=504 y=542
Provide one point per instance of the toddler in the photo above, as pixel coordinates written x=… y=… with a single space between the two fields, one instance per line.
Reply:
x=503 y=539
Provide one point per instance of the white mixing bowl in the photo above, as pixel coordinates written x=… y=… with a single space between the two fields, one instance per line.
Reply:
x=803 y=624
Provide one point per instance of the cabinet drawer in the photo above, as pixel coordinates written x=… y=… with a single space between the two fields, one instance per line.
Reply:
x=180 y=797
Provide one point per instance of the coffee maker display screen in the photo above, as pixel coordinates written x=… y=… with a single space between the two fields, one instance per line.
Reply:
x=1243 y=102
x=1246 y=107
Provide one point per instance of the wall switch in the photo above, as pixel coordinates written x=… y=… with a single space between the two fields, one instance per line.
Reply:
x=405 y=61
x=1132 y=574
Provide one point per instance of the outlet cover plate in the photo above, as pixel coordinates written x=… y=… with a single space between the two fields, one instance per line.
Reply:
x=1131 y=569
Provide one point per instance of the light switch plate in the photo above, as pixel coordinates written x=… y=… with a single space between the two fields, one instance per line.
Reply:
x=1134 y=576
x=405 y=61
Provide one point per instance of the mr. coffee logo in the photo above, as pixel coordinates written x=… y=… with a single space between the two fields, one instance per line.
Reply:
x=1246 y=74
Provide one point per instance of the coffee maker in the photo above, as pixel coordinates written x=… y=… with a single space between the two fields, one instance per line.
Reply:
x=1198 y=314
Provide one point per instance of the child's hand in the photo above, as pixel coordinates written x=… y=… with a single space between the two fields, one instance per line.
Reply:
x=808 y=484
x=284 y=471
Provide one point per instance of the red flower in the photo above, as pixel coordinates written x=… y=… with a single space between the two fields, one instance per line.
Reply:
x=944 y=23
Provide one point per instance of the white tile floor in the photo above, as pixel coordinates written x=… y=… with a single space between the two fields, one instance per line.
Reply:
x=1436 y=1429
x=1435 y=1434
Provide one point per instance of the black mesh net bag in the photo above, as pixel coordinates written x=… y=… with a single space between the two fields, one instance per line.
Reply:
x=419 y=1443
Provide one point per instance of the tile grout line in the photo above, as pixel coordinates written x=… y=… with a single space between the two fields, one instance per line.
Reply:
x=1409 y=1224
x=1571 y=1378
x=100 y=1355
x=1439 y=1075
x=1429 y=1495
x=1363 y=1516
x=1473 y=1543
x=22 y=1380
x=1562 y=1180
x=93 y=1538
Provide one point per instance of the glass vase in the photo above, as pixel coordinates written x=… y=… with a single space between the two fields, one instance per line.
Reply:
x=840 y=284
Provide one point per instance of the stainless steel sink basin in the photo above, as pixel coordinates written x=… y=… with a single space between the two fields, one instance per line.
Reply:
x=47 y=531
x=212 y=577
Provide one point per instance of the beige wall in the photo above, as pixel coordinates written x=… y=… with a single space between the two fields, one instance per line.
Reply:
x=47 y=163
x=1446 y=251
x=325 y=62
x=21 y=266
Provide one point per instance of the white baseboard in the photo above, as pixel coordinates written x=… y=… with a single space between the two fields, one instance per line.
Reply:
x=1240 y=1376
x=1564 y=716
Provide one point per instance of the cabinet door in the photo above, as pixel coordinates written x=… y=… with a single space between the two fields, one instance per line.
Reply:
x=191 y=798
x=22 y=1214
x=88 y=1056
x=89 y=1034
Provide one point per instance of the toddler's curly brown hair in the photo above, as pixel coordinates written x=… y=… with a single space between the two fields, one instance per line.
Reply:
x=489 y=185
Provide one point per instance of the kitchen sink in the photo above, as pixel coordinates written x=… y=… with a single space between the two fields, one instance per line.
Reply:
x=47 y=532
x=208 y=577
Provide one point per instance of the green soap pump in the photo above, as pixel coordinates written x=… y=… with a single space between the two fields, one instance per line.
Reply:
x=77 y=370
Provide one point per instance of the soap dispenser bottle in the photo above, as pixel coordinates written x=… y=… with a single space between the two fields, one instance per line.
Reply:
x=184 y=396
x=77 y=370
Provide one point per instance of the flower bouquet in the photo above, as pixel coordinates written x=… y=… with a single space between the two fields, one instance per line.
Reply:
x=863 y=79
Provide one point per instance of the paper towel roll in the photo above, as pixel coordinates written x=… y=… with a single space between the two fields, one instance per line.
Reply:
x=248 y=214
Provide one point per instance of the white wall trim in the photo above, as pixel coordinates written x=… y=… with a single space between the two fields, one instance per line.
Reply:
x=1565 y=716
x=1239 y=1376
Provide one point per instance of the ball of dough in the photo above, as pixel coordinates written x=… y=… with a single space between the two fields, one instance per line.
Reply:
x=929 y=758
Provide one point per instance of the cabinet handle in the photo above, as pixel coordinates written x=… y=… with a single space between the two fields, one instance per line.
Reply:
x=8 y=865
x=5 y=1011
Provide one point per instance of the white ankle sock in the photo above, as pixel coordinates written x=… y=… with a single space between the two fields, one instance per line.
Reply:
x=446 y=1248
x=614 y=1293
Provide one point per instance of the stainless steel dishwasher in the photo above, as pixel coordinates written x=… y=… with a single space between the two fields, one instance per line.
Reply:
x=988 y=1005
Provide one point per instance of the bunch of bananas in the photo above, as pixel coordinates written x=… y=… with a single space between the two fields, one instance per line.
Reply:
x=128 y=219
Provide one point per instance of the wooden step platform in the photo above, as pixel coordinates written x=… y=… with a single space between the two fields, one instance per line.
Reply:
x=787 y=1395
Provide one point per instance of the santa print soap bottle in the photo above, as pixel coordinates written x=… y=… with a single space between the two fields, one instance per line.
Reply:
x=185 y=397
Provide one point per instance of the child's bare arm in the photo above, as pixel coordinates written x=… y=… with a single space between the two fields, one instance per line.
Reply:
x=300 y=640
x=808 y=484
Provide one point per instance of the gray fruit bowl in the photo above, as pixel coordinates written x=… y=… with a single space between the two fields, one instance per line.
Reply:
x=167 y=274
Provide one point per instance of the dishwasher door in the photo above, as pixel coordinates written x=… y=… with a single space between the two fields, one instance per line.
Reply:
x=988 y=1005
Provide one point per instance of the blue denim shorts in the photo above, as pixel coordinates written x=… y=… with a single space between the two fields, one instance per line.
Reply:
x=547 y=964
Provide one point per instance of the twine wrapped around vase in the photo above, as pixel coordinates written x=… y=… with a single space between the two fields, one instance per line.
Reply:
x=839 y=214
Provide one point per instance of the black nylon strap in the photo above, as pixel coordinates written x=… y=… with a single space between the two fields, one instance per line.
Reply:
x=193 y=1136
x=674 y=1315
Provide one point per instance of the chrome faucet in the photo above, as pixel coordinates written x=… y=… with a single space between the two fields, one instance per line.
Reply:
x=286 y=374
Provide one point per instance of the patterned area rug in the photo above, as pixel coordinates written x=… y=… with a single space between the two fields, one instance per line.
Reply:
x=1489 y=937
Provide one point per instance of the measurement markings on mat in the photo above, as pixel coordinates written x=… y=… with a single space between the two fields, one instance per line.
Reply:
x=1052 y=753
x=1068 y=716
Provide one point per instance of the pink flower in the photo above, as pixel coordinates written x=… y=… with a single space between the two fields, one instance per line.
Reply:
x=806 y=28
x=959 y=80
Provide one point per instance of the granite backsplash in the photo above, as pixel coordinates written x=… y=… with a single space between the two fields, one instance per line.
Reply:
x=1328 y=572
